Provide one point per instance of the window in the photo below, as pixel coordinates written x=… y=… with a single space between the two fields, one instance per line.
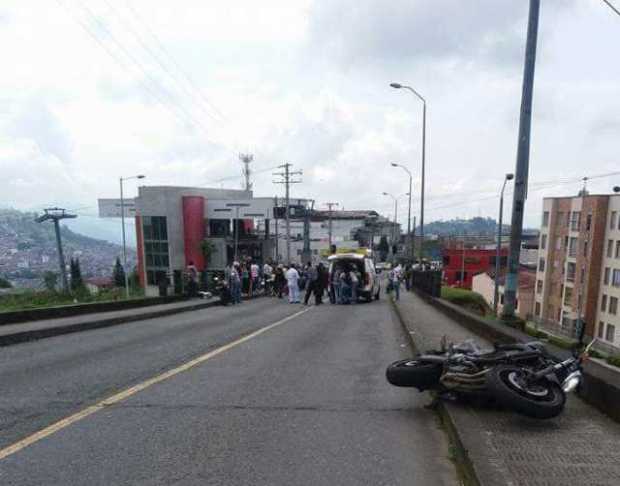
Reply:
x=572 y=247
x=606 y=276
x=541 y=264
x=612 y=220
x=558 y=243
x=539 y=286
x=543 y=242
x=560 y=217
x=604 y=303
x=618 y=249
x=575 y=220
x=155 y=248
x=568 y=296
x=610 y=333
x=610 y=248
x=565 y=242
x=613 y=305
x=588 y=222
x=545 y=220
x=537 y=309
x=501 y=299
x=615 y=278
x=601 y=329
x=585 y=248
x=571 y=270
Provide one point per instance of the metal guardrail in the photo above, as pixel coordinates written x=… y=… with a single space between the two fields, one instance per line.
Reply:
x=428 y=282
x=569 y=331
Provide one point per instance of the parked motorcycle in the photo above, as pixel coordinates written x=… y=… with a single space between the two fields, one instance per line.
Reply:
x=222 y=290
x=523 y=377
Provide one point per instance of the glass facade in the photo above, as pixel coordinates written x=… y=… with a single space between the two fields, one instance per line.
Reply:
x=156 y=257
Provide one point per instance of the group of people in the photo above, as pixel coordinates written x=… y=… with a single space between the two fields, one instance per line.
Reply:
x=291 y=280
x=345 y=282
x=243 y=278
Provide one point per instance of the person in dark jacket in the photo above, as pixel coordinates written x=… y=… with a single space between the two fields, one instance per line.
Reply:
x=321 y=283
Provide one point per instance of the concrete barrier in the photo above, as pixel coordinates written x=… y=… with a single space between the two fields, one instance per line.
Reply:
x=601 y=382
x=29 y=315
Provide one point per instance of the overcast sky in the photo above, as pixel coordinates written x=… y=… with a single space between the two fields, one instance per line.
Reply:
x=95 y=89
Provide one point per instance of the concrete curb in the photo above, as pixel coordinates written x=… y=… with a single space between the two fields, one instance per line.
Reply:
x=465 y=466
x=34 y=335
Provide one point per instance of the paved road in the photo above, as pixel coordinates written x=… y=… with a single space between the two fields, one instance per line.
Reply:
x=304 y=402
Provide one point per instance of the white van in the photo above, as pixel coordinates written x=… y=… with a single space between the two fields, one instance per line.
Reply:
x=369 y=286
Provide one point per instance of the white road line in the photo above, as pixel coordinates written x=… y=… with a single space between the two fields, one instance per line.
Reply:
x=118 y=397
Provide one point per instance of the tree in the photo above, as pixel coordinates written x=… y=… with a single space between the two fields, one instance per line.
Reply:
x=50 y=279
x=5 y=284
x=208 y=249
x=76 y=275
x=118 y=274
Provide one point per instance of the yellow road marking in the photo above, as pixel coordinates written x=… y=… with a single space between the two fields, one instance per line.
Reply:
x=118 y=397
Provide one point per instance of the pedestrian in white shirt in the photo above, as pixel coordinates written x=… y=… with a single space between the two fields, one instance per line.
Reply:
x=292 y=279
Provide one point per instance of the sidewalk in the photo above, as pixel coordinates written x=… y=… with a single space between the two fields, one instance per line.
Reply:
x=581 y=446
x=30 y=331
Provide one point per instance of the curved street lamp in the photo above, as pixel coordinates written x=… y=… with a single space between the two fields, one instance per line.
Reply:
x=121 y=180
x=421 y=98
x=507 y=178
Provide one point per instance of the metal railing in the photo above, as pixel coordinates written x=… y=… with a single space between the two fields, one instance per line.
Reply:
x=428 y=282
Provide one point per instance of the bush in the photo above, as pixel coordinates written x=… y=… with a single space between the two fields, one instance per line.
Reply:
x=466 y=298
x=614 y=360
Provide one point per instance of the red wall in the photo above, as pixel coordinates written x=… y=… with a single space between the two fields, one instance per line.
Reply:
x=476 y=261
x=140 y=250
x=194 y=229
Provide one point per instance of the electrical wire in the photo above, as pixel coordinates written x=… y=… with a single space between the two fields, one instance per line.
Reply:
x=163 y=49
x=611 y=6
x=136 y=34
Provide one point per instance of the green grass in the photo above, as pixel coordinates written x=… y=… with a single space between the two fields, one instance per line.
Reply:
x=466 y=298
x=40 y=299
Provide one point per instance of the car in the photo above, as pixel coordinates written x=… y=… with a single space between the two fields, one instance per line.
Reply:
x=369 y=287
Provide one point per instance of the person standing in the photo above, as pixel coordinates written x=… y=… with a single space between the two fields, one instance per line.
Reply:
x=335 y=293
x=292 y=279
x=395 y=277
x=235 y=284
x=354 y=285
x=321 y=283
x=254 y=277
x=311 y=283
x=192 y=279
x=279 y=280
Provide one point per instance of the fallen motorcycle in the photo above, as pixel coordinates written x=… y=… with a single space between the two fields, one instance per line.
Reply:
x=522 y=376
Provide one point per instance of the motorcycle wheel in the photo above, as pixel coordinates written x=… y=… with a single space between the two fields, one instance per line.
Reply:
x=414 y=373
x=541 y=400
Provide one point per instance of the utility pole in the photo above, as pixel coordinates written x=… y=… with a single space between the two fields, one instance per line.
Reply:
x=275 y=216
x=582 y=289
x=287 y=181
x=246 y=159
x=330 y=205
x=306 y=255
x=523 y=160
x=56 y=214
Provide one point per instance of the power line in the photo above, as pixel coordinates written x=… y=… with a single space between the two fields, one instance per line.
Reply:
x=287 y=181
x=174 y=62
x=611 y=6
x=136 y=34
x=156 y=95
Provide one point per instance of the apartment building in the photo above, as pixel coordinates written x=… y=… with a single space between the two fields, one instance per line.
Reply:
x=578 y=248
x=608 y=315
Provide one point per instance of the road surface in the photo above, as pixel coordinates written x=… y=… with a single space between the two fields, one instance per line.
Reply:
x=302 y=399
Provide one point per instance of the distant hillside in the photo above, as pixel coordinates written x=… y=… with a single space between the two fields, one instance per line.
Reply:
x=28 y=249
x=473 y=226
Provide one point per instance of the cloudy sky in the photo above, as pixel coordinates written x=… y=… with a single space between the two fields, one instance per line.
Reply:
x=95 y=89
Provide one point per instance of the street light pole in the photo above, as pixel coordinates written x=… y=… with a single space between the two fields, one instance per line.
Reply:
x=422 y=182
x=523 y=162
x=508 y=177
x=409 y=210
x=121 y=179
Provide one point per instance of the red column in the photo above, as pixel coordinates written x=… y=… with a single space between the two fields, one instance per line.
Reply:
x=140 y=251
x=194 y=229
